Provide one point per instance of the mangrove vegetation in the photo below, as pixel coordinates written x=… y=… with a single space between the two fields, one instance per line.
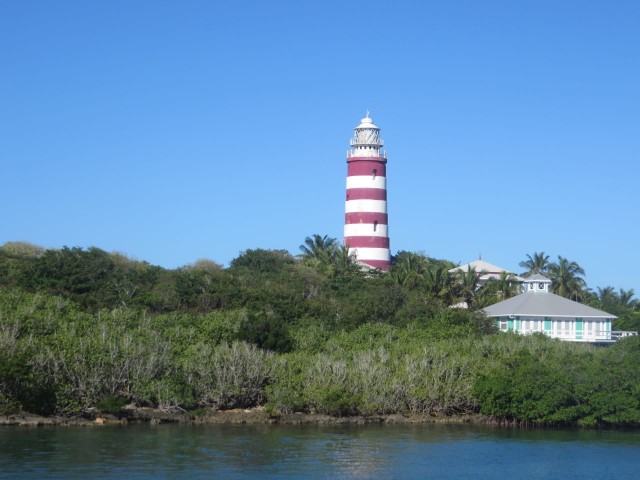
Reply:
x=84 y=330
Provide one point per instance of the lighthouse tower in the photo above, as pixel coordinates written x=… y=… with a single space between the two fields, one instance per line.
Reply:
x=366 y=231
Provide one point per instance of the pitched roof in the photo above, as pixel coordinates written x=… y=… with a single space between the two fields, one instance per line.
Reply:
x=537 y=278
x=484 y=269
x=530 y=304
x=480 y=266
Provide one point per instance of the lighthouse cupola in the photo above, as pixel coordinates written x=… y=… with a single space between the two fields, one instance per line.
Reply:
x=366 y=141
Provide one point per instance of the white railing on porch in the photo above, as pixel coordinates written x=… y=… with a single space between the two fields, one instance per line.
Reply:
x=618 y=334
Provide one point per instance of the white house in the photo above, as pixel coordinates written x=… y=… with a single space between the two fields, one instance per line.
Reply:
x=485 y=270
x=539 y=310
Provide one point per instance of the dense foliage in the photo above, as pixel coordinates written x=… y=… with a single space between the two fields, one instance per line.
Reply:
x=84 y=330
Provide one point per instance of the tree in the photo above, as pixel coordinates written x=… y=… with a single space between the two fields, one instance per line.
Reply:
x=619 y=302
x=467 y=285
x=439 y=282
x=622 y=304
x=566 y=279
x=418 y=271
x=205 y=286
x=408 y=269
x=343 y=262
x=268 y=332
x=83 y=275
x=506 y=285
x=262 y=261
x=527 y=388
x=326 y=255
x=22 y=249
x=626 y=300
x=133 y=282
x=319 y=248
x=607 y=296
x=497 y=290
x=536 y=263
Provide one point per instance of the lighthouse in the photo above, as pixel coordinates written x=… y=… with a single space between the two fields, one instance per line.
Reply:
x=366 y=232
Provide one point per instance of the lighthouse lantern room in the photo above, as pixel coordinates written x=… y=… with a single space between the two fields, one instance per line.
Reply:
x=366 y=232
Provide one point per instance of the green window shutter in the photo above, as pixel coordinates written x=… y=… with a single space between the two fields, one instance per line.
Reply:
x=578 y=329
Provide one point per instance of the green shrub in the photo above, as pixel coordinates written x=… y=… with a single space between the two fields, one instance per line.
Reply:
x=111 y=404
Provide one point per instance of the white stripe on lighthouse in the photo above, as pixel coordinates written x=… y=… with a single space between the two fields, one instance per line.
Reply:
x=366 y=181
x=372 y=206
x=365 y=230
x=364 y=254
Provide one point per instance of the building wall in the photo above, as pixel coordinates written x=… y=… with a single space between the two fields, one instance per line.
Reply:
x=570 y=329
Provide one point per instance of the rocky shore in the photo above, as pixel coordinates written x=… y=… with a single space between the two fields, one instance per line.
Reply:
x=237 y=416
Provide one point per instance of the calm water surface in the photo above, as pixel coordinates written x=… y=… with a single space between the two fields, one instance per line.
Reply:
x=353 y=452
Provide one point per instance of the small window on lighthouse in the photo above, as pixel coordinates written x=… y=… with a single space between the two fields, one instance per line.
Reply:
x=374 y=173
x=375 y=225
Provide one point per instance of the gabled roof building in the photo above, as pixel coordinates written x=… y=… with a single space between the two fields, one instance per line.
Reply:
x=539 y=310
x=485 y=270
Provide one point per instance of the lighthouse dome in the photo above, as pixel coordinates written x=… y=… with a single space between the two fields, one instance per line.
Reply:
x=367 y=123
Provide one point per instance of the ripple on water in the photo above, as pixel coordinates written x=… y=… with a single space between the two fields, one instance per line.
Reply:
x=317 y=452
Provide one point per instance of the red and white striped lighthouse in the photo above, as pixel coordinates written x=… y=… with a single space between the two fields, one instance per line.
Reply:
x=366 y=232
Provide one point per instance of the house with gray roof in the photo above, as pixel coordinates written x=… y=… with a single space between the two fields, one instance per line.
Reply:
x=539 y=310
x=486 y=271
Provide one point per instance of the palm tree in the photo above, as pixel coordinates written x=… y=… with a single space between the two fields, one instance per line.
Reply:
x=566 y=279
x=324 y=254
x=485 y=297
x=506 y=286
x=343 y=262
x=408 y=269
x=607 y=296
x=438 y=281
x=497 y=290
x=467 y=284
x=536 y=263
x=625 y=298
x=588 y=296
x=319 y=248
x=621 y=303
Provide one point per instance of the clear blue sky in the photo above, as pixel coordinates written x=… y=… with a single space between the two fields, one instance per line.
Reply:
x=178 y=130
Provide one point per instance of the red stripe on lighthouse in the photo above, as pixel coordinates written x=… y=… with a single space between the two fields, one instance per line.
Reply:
x=366 y=217
x=366 y=194
x=366 y=167
x=366 y=242
x=381 y=264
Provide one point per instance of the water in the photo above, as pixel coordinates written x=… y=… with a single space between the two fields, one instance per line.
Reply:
x=318 y=452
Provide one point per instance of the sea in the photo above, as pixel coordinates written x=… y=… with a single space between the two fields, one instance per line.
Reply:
x=423 y=451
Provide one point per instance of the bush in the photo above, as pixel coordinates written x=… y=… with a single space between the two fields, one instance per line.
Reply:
x=265 y=331
x=527 y=389
x=111 y=404
x=227 y=376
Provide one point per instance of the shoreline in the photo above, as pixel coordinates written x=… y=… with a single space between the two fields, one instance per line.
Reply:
x=254 y=416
